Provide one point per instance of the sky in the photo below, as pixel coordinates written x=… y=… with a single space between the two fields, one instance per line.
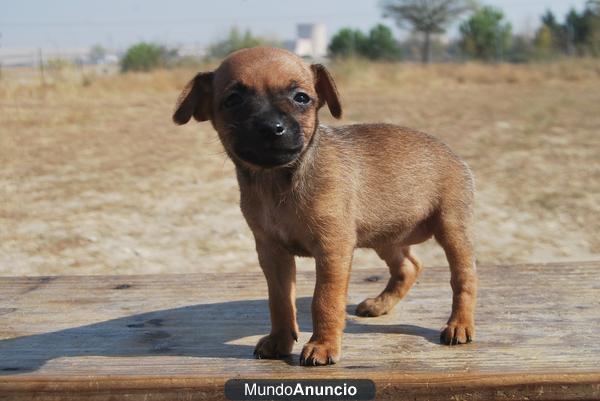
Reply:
x=69 y=24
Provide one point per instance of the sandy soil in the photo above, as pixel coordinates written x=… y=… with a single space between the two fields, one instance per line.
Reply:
x=95 y=179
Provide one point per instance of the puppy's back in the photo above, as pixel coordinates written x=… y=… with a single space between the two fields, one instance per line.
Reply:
x=396 y=178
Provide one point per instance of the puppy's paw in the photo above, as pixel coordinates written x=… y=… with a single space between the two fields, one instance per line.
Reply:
x=371 y=307
x=317 y=353
x=457 y=333
x=274 y=346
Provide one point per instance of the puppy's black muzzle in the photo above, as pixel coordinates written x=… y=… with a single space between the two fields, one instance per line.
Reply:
x=269 y=140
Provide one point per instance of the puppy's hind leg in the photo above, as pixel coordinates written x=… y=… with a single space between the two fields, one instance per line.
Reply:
x=454 y=235
x=404 y=270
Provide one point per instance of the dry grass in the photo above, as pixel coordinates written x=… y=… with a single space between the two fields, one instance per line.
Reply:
x=94 y=178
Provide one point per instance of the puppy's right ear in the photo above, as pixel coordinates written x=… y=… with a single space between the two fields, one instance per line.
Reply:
x=195 y=100
x=326 y=90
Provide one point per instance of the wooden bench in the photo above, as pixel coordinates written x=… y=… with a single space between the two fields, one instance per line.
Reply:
x=180 y=337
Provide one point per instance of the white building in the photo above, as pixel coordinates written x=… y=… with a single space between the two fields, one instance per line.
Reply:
x=311 y=41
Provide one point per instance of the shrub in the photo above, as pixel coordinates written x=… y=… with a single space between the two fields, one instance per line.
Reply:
x=379 y=44
x=145 y=57
x=347 y=43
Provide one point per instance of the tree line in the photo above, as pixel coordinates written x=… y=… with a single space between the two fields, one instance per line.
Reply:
x=484 y=34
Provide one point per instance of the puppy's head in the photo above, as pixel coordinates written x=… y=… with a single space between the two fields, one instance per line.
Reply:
x=263 y=102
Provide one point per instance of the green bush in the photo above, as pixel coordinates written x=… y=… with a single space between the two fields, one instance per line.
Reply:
x=347 y=43
x=379 y=44
x=144 y=57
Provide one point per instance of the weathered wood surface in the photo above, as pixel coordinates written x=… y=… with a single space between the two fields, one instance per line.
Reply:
x=182 y=336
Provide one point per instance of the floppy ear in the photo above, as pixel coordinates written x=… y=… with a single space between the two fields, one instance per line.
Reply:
x=326 y=90
x=195 y=100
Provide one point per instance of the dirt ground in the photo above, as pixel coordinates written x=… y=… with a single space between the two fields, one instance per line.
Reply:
x=95 y=179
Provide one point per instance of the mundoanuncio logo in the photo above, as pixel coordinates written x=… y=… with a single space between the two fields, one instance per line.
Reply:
x=338 y=389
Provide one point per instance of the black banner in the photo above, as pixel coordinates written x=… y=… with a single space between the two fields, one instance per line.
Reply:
x=300 y=390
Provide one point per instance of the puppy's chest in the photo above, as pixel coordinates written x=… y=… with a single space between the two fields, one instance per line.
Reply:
x=284 y=223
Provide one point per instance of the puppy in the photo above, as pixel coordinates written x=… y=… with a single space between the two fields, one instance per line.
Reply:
x=311 y=190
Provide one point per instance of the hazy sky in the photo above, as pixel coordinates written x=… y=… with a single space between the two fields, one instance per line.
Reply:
x=65 y=24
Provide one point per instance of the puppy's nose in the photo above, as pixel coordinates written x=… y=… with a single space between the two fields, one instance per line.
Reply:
x=272 y=127
x=279 y=129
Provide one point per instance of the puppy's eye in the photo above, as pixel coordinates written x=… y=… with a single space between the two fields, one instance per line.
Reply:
x=233 y=100
x=302 y=98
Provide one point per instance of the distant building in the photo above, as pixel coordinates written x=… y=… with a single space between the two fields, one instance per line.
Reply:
x=311 y=41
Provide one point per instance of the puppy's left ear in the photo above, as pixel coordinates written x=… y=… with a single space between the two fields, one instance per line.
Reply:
x=326 y=90
x=196 y=100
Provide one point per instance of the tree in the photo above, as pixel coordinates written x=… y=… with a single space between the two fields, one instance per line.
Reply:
x=593 y=39
x=579 y=34
x=379 y=44
x=544 y=41
x=145 y=57
x=427 y=17
x=575 y=27
x=347 y=42
x=583 y=30
x=485 y=35
x=551 y=37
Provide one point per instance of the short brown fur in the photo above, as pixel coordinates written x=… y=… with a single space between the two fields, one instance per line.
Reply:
x=373 y=186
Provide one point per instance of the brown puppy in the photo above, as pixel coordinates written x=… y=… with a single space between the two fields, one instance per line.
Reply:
x=312 y=190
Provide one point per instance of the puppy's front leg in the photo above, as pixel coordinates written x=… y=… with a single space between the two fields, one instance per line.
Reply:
x=328 y=308
x=279 y=268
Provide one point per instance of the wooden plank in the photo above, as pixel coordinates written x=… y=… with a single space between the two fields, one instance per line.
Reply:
x=182 y=336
